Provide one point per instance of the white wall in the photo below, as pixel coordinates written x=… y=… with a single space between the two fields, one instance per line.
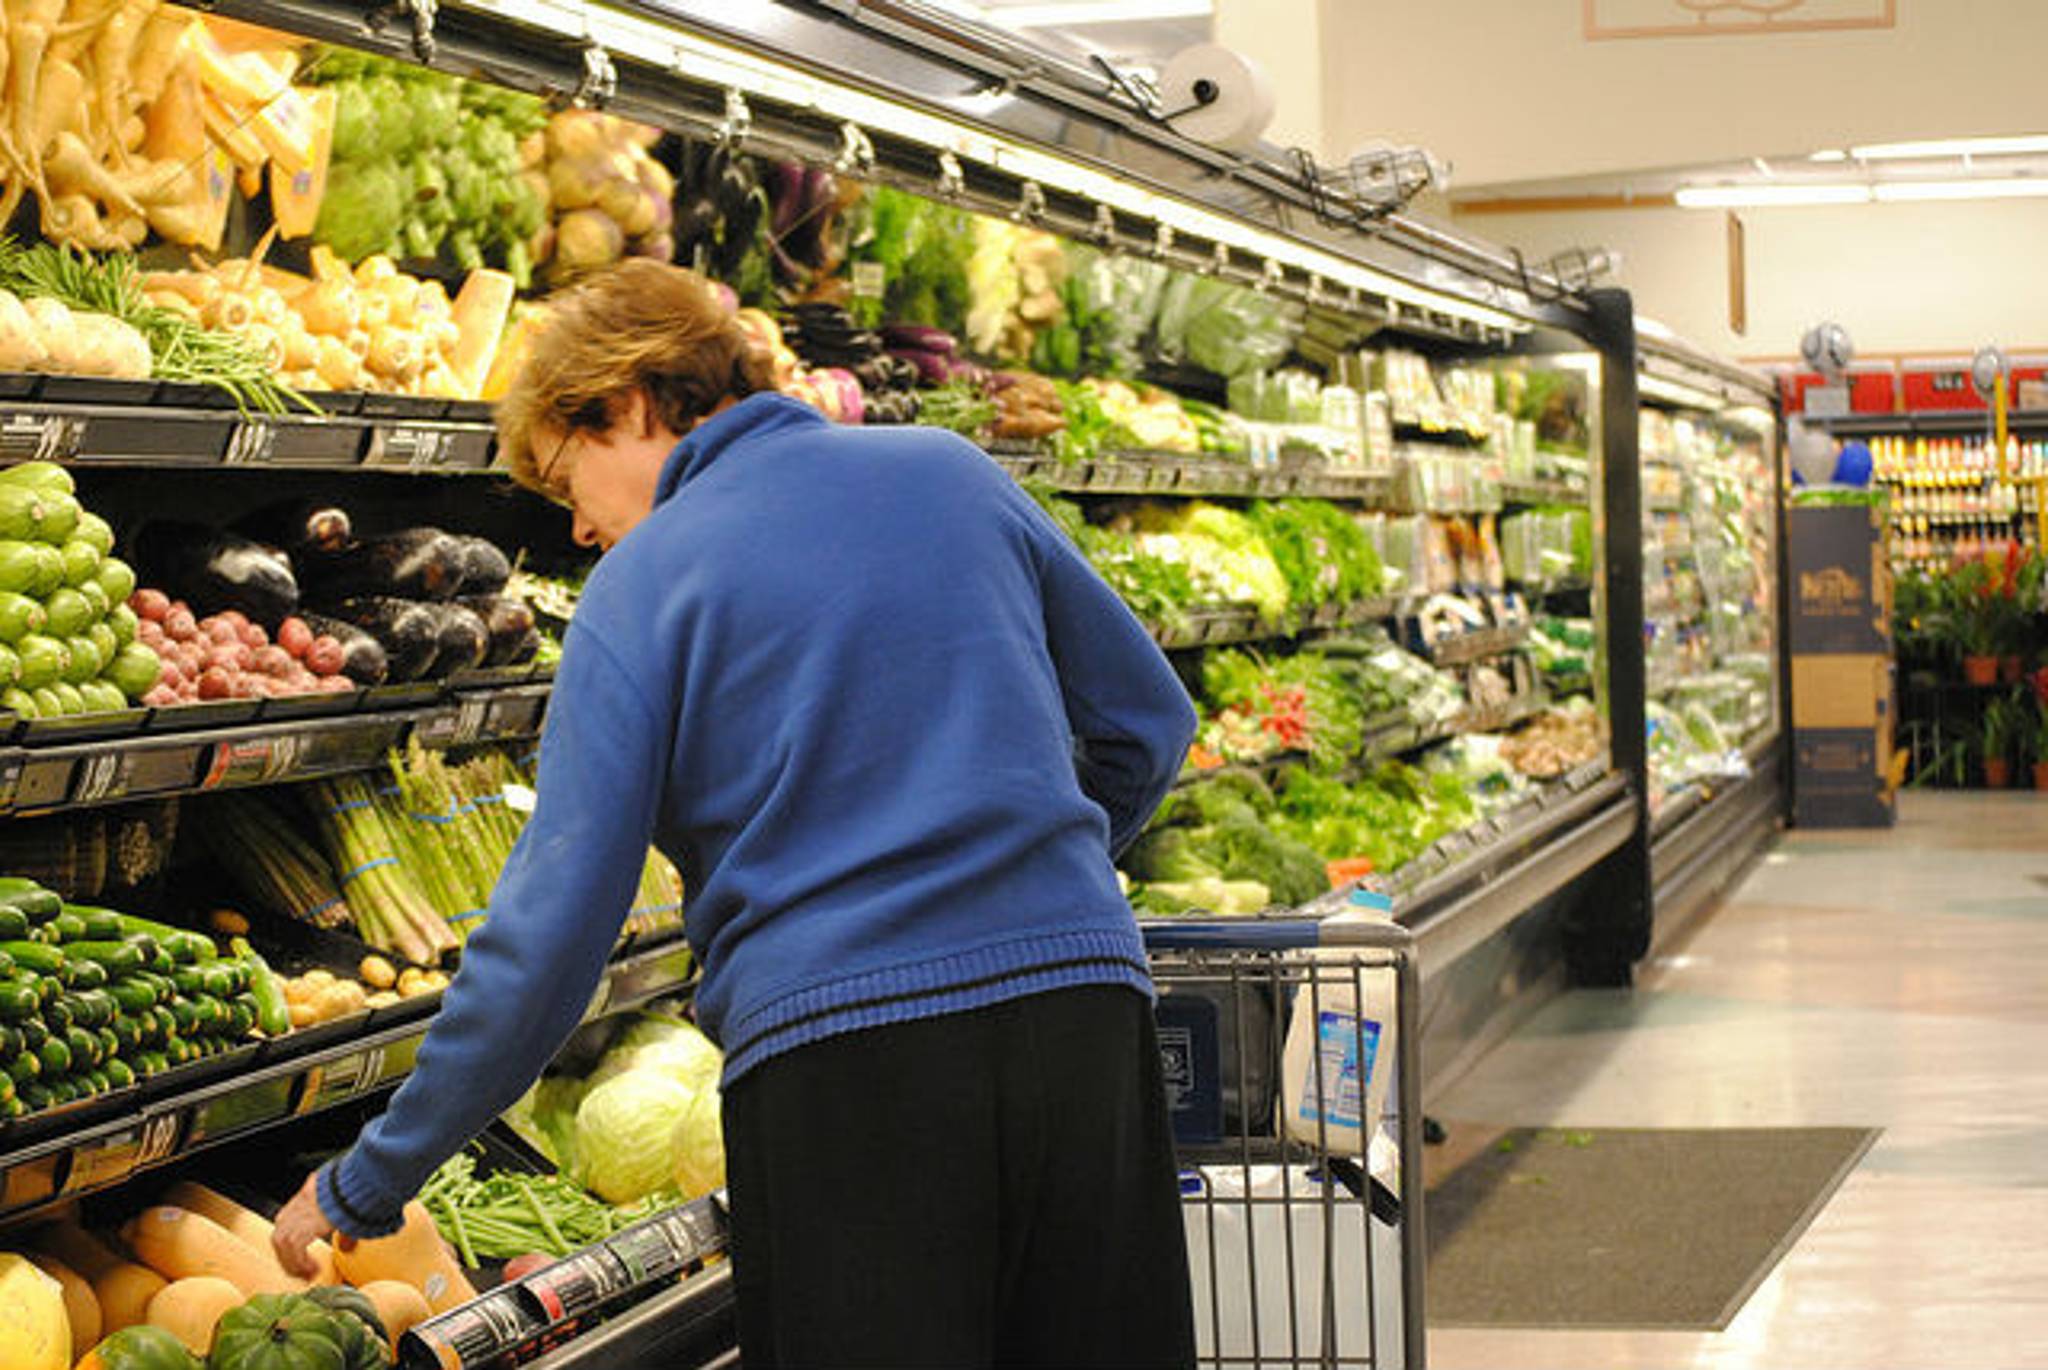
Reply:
x=1900 y=278
x=1286 y=38
x=1510 y=90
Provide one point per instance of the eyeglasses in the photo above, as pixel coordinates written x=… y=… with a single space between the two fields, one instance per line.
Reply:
x=546 y=471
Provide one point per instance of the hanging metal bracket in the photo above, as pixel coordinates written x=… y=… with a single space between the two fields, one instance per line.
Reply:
x=856 y=151
x=600 y=81
x=1103 y=229
x=421 y=13
x=952 y=179
x=738 y=120
x=1031 y=203
x=1162 y=241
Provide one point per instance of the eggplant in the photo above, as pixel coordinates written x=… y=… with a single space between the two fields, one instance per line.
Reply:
x=506 y=618
x=484 y=568
x=460 y=640
x=417 y=563
x=363 y=658
x=409 y=632
x=300 y=526
x=214 y=570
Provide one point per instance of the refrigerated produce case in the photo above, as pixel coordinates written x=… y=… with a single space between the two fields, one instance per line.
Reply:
x=1434 y=339
x=1715 y=655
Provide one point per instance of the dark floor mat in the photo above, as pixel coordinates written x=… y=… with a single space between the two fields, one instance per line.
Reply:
x=1668 y=1228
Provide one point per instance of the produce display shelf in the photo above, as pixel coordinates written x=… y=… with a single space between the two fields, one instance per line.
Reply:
x=1476 y=646
x=94 y=1144
x=1553 y=591
x=195 y=749
x=1168 y=473
x=1663 y=504
x=1414 y=430
x=1930 y=422
x=1697 y=850
x=1516 y=491
x=1500 y=717
x=1224 y=625
x=86 y=422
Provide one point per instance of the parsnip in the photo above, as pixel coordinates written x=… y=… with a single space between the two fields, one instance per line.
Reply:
x=164 y=46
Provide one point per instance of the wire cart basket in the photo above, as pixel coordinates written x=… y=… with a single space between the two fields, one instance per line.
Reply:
x=1294 y=1081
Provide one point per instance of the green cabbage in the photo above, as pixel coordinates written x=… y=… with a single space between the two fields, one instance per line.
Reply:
x=625 y=1134
x=671 y=1046
x=698 y=1147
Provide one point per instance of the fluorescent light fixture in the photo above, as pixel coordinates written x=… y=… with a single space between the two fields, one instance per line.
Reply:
x=1080 y=13
x=1675 y=392
x=1763 y=168
x=698 y=58
x=1832 y=154
x=2014 y=188
x=1771 y=196
x=1952 y=147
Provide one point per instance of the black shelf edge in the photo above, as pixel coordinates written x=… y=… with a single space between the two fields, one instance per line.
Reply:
x=240 y=747
x=1226 y=626
x=1466 y=648
x=1545 y=492
x=1174 y=474
x=291 y=1077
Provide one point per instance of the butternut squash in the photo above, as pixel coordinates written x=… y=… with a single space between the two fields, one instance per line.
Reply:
x=190 y=1309
x=413 y=1255
x=81 y=1308
x=252 y=1229
x=124 y=1293
x=180 y=1245
x=76 y=1247
x=400 y=1307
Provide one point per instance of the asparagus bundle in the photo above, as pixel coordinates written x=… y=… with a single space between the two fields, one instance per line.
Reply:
x=392 y=911
x=276 y=867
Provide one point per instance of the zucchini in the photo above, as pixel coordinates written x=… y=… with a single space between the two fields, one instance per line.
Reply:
x=35 y=957
x=152 y=1063
x=166 y=1024
x=186 y=1017
x=69 y=927
x=110 y=1043
x=221 y=980
x=10 y=1041
x=25 y=1068
x=101 y=925
x=43 y=935
x=48 y=989
x=184 y=944
x=56 y=1056
x=242 y=1015
x=13 y=924
x=124 y=957
x=7 y=966
x=189 y=980
x=18 y=1000
x=119 y=1074
x=273 y=1014
x=57 y=1016
x=33 y=1033
x=97 y=1078
x=62 y=1092
x=35 y=1098
x=181 y=1052
x=81 y=974
x=86 y=1053
x=213 y=1015
x=131 y=993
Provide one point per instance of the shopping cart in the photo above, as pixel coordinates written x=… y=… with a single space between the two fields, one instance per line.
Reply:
x=1294 y=1080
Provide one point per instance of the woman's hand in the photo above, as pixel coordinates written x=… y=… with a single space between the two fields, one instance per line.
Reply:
x=300 y=1223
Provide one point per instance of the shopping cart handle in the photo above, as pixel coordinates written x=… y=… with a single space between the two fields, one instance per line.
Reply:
x=1236 y=934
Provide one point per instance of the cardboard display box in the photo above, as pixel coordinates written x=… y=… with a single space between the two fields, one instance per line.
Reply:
x=1842 y=668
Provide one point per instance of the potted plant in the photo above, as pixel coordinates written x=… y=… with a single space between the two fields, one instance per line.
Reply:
x=2002 y=721
x=1977 y=617
x=2041 y=744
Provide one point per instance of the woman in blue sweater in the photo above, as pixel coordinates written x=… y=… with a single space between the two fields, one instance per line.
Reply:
x=892 y=728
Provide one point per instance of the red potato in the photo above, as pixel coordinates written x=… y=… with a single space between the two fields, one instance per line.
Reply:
x=215 y=684
x=149 y=632
x=161 y=696
x=234 y=616
x=275 y=662
x=294 y=636
x=336 y=684
x=253 y=636
x=219 y=630
x=150 y=604
x=325 y=656
x=180 y=626
x=249 y=687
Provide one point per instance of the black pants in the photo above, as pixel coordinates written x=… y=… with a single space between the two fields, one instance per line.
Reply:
x=992 y=1188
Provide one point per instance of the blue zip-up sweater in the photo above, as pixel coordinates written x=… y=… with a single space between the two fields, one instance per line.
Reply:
x=886 y=720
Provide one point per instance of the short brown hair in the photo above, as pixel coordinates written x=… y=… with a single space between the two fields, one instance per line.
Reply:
x=642 y=325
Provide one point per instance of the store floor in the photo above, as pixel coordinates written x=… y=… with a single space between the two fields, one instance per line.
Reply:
x=1896 y=980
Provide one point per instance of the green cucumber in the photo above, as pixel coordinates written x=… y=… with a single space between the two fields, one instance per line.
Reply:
x=101 y=925
x=95 y=1008
x=119 y=1074
x=33 y=1033
x=10 y=1040
x=18 y=1000
x=58 y=1016
x=24 y=1067
x=6 y=966
x=124 y=957
x=7 y=1095
x=110 y=1042
x=34 y=957
x=13 y=923
x=40 y=905
x=242 y=1014
x=56 y=1056
x=221 y=979
x=189 y=980
x=184 y=944
x=63 y=1091
x=97 y=1078
x=187 y=1017
x=86 y=1052
x=273 y=1014
x=35 y=1098
x=152 y=1063
x=69 y=927
x=132 y=993
x=84 y=975
x=128 y=1034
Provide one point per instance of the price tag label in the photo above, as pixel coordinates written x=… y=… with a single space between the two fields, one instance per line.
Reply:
x=41 y=437
x=10 y=778
x=101 y=777
x=415 y=448
x=254 y=761
x=254 y=443
x=29 y=1182
x=453 y=727
x=248 y=1106
x=111 y=1159
x=333 y=1082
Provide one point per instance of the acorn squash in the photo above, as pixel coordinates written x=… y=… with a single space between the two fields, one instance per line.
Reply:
x=365 y=1351
x=141 y=1347
x=283 y=1332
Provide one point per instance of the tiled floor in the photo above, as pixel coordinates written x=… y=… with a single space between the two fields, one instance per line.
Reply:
x=1895 y=980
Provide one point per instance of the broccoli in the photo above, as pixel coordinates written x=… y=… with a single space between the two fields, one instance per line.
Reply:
x=1168 y=854
x=1247 y=849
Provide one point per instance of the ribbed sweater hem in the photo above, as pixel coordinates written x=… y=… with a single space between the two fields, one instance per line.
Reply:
x=955 y=983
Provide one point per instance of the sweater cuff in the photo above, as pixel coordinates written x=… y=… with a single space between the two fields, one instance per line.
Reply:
x=356 y=1208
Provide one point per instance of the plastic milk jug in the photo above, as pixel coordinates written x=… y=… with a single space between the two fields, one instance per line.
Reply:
x=1339 y=1053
